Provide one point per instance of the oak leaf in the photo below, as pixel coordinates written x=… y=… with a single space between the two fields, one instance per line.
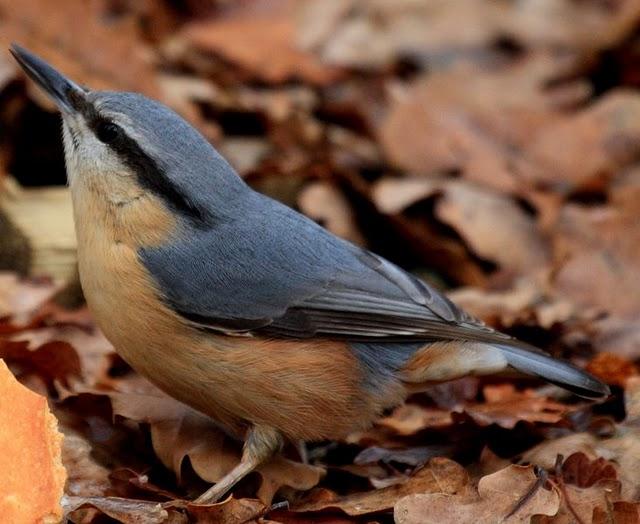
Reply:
x=179 y=432
x=505 y=406
x=511 y=495
x=440 y=475
x=259 y=38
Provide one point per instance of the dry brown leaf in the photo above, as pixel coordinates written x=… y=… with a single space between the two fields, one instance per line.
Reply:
x=326 y=204
x=98 y=54
x=122 y=510
x=350 y=32
x=53 y=361
x=85 y=477
x=632 y=401
x=505 y=406
x=623 y=450
x=581 y=503
x=411 y=418
x=545 y=453
x=229 y=511
x=93 y=351
x=619 y=512
x=132 y=511
x=526 y=302
x=33 y=476
x=587 y=487
x=413 y=456
x=489 y=463
x=394 y=195
x=471 y=121
x=608 y=130
x=128 y=483
x=179 y=432
x=258 y=37
x=440 y=475
x=20 y=298
x=511 y=495
x=579 y=470
x=492 y=225
x=612 y=369
x=598 y=250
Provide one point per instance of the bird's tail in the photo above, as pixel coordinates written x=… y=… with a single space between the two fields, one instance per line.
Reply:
x=442 y=361
x=531 y=361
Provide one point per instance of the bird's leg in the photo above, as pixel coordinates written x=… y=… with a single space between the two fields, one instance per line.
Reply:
x=261 y=443
x=302 y=451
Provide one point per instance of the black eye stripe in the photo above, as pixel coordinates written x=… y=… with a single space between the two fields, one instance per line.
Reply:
x=149 y=174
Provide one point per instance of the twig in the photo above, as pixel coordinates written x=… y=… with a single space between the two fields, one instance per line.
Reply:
x=539 y=482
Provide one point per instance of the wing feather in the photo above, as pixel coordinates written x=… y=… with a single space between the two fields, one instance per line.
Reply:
x=280 y=274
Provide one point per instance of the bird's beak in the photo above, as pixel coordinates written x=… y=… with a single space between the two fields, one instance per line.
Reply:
x=61 y=90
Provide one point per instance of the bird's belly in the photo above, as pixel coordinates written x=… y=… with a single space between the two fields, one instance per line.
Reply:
x=306 y=389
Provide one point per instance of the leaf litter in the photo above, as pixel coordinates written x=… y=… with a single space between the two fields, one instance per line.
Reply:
x=489 y=147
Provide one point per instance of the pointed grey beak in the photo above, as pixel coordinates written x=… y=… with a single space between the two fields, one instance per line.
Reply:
x=61 y=90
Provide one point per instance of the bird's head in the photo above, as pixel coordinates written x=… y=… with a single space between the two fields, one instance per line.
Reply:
x=126 y=153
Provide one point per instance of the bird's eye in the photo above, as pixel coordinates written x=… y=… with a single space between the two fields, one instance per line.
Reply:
x=107 y=132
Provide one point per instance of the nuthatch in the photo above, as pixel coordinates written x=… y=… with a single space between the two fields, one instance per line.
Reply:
x=241 y=307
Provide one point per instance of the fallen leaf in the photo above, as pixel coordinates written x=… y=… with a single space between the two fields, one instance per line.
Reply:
x=179 y=432
x=505 y=406
x=408 y=419
x=620 y=512
x=608 y=129
x=93 y=352
x=350 y=33
x=546 y=453
x=526 y=302
x=33 y=476
x=623 y=449
x=632 y=401
x=579 y=470
x=327 y=205
x=126 y=511
x=471 y=122
x=598 y=250
x=612 y=369
x=581 y=503
x=53 y=361
x=411 y=456
x=85 y=477
x=259 y=38
x=513 y=494
x=492 y=225
x=20 y=298
x=440 y=475
x=129 y=484
x=42 y=27
x=229 y=511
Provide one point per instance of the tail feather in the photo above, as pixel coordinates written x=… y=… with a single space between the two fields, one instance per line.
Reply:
x=532 y=361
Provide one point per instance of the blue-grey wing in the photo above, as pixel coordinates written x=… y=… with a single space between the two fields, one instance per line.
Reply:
x=276 y=272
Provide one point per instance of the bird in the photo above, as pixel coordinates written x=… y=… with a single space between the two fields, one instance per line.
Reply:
x=241 y=307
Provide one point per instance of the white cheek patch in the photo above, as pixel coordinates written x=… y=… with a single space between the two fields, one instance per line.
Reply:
x=92 y=165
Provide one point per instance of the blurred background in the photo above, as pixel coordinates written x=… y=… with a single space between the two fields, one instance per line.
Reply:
x=489 y=146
